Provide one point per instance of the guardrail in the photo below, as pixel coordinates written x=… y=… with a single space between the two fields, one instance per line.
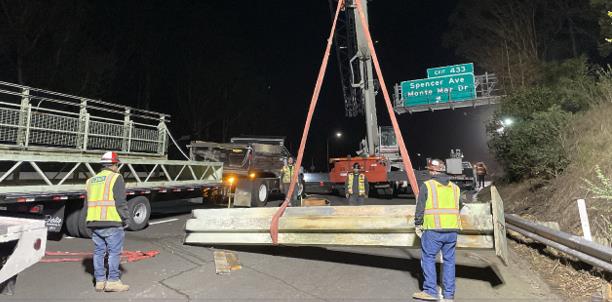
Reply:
x=585 y=250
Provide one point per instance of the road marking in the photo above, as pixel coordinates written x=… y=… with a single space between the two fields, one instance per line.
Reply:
x=163 y=221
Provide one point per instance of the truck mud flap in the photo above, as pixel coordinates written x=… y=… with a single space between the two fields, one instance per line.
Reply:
x=242 y=194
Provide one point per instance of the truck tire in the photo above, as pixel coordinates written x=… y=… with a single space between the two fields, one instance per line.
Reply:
x=71 y=219
x=84 y=231
x=139 y=209
x=260 y=195
x=389 y=193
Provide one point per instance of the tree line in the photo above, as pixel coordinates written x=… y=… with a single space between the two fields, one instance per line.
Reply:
x=551 y=58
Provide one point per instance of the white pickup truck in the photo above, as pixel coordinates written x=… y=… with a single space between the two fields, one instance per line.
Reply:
x=22 y=244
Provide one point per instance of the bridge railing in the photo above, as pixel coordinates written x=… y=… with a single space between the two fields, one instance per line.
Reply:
x=32 y=118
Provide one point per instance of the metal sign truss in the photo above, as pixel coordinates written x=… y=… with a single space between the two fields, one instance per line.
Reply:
x=487 y=93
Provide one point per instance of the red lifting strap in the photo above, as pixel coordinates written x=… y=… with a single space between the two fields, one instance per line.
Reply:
x=313 y=104
x=300 y=155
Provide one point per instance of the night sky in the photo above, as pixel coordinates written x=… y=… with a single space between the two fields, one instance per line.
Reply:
x=276 y=47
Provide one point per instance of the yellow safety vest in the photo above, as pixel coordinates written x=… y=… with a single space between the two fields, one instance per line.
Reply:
x=362 y=190
x=287 y=173
x=442 y=206
x=100 y=199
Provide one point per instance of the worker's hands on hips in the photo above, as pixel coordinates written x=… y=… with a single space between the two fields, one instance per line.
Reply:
x=418 y=229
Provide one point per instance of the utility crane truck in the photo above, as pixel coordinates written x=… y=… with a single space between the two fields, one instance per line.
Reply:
x=379 y=155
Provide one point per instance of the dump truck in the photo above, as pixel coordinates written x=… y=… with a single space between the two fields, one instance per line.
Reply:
x=252 y=167
x=51 y=143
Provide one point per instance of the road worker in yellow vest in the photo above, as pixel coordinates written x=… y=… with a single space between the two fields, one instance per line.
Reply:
x=107 y=215
x=287 y=173
x=437 y=224
x=356 y=186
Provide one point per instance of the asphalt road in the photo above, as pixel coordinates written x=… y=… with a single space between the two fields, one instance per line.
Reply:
x=187 y=273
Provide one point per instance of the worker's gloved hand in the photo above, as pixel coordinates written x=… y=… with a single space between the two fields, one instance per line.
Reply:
x=126 y=225
x=418 y=230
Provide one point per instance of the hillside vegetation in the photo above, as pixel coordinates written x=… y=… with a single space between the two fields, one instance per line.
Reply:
x=559 y=149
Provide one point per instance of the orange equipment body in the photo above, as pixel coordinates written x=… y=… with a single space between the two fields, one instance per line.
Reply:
x=374 y=167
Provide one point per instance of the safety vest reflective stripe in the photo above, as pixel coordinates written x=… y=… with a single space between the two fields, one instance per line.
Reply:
x=456 y=194
x=107 y=191
x=107 y=187
x=434 y=199
x=99 y=203
x=441 y=211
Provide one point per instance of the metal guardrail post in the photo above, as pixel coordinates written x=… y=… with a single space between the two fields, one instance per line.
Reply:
x=24 y=112
x=162 y=141
x=86 y=132
x=127 y=124
x=83 y=120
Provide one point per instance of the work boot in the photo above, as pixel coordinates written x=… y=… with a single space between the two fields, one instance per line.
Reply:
x=116 y=286
x=424 y=296
x=100 y=285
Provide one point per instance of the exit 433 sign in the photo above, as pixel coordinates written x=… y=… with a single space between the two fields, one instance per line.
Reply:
x=450 y=70
x=456 y=87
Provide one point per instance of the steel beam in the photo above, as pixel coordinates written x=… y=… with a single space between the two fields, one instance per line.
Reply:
x=374 y=225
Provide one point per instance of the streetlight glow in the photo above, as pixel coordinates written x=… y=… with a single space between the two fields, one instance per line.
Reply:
x=338 y=134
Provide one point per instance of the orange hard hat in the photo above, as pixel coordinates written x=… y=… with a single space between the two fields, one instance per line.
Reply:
x=436 y=165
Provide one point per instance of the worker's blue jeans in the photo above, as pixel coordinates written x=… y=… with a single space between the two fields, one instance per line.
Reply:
x=111 y=240
x=433 y=242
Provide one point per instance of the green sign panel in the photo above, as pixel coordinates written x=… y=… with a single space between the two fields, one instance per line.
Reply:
x=450 y=70
x=451 y=88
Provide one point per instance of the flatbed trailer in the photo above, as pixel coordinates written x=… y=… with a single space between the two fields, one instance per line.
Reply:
x=51 y=143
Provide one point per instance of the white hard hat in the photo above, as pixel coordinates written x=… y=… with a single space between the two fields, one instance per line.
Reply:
x=436 y=165
x=109 y=157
